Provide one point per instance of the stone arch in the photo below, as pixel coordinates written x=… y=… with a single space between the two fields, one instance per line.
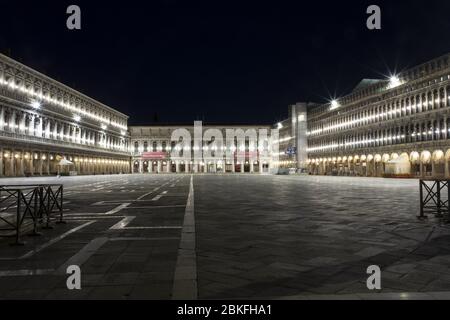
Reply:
x=447 y=155
x=426 y=163
x=438 y=163
x=414 y=157
x=377 y=165
x=394 y=156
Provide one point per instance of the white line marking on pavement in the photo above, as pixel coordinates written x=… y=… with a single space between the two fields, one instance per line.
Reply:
x=148 y=193
x=84 y=254
x=185 y=279
x=118 y=208
x=26 y=272
x=122 y=223
x=142 y=239
x=155 y=189
x=54 y=240
x=151 y=228
x=98 y=189
x=112 y=202
x=157 y=207
x=91 y=214
x=157 y=197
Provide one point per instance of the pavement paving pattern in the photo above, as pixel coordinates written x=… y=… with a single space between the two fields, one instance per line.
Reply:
x=231 y=236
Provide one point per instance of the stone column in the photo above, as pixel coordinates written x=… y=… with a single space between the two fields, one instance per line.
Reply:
x=260 y=167
x=242 y=167
x=251 y=166
x=19 y=164
x=168 y=165
x=140 y=166
x=30 y=163
x=446 y=168
x=177 y=165
x=11 y=164
x=47 y=164
x=159 y=167
x=1 y=158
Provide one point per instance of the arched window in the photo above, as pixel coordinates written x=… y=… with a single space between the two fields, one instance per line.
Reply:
x=424 y=103
x=448 y=96
x=430 y=101
x=442 y=98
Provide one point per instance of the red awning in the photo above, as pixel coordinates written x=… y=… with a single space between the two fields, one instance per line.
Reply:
x=251 y=154
x=154 y=155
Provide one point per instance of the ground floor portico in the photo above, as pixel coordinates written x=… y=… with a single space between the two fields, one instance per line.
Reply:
x=20 y=161
x=422 y=161
x=206 y=166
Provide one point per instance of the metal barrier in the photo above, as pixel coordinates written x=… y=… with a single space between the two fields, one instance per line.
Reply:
x=434 y=198
x=37 y=202
x=51 y=196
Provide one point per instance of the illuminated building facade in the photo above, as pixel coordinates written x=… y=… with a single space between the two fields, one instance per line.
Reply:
x=152 y=148
x=398 y=127
x=292 y=143
x=43 y=122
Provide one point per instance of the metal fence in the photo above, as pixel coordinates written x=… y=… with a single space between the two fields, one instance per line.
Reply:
x=40 y=203
x=434 y=198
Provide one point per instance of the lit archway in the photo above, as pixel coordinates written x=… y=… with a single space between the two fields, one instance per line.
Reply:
x=426 y=161
x=438 y=159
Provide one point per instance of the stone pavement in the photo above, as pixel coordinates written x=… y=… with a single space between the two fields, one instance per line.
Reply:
x=240 y=236
x=288 y=236
x=123 y=231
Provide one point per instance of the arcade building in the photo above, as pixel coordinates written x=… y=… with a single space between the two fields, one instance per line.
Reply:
x=397 y=127
x=152 y=147
x=393 y=127
x=47 y=128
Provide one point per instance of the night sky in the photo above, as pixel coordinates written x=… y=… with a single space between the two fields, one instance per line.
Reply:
x=220 y=61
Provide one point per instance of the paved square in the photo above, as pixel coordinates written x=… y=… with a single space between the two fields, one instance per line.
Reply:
x=231 y=236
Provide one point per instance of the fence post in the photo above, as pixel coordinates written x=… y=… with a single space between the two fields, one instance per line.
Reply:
x=18 y=219
x=422 y=215
x=61 y=221
x=35 y=213
x=47 y=206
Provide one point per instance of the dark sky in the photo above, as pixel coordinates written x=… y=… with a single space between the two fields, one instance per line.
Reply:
x=220 y=61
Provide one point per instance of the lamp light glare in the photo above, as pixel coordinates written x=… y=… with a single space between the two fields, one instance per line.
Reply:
x=334 y=104
x=35 y=104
